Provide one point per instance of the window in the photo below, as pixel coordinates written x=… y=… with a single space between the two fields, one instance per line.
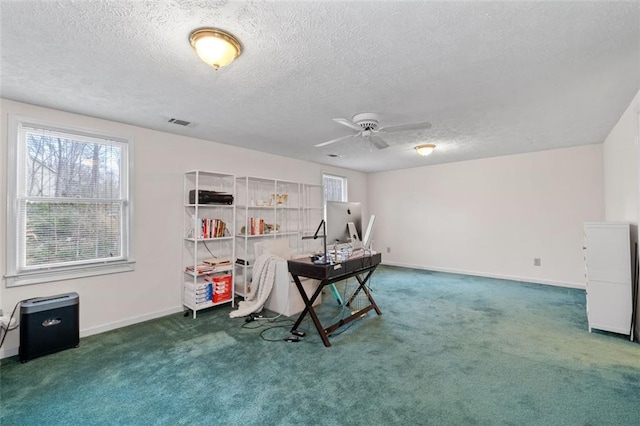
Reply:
x=335 y=187
x=69 y=197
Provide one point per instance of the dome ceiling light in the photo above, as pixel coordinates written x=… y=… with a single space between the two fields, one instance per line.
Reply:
x=215 y=47
x=425 y=149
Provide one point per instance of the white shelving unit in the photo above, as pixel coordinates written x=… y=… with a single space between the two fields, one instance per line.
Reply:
x=208 y=242
x=266 y=209
x=608 y=272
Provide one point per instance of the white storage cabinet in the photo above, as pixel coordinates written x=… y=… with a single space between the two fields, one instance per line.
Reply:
x=608 y=272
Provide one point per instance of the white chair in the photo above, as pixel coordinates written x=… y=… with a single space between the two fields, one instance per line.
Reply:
x=285 y=298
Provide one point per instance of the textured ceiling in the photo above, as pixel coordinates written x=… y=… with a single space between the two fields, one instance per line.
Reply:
x=494 y=78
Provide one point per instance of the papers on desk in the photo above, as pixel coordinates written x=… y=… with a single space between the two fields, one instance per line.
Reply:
x=361 y=253
x=346 y=253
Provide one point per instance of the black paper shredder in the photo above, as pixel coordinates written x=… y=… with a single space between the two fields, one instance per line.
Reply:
x=48 y=325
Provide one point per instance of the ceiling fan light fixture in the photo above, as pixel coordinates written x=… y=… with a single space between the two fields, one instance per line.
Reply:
x=425 y=149
x=367 y=126
x=215 y=47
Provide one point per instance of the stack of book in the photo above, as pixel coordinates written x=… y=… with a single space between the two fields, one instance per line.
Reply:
x=212 y=228
x=197 y=294
x=256 y=226
x=221 y=287
x=201 y=268
x=218 y=262
x=209 y=266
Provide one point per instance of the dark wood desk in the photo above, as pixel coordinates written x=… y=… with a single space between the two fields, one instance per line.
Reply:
x=329 y=274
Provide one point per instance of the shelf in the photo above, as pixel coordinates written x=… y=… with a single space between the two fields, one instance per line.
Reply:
x=195 y=240
x=267 y=207
x=275 y=234
x=256 y=207
x=226 y=268
x=228 y=206
x=198 y=306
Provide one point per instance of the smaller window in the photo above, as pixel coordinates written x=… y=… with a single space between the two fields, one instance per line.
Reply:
x=335 y=187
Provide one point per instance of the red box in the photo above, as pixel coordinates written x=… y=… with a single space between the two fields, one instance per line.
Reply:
x=221 y=288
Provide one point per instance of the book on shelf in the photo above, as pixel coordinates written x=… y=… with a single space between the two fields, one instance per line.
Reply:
x=256 y=226
x=222 y=288
x=212 y=265
x=198 y=301
x=213 y=279
x=218 y=262
x=198 y=297
x=211 y=228
x=196 y=286
x=200 y=292
x=201 y=268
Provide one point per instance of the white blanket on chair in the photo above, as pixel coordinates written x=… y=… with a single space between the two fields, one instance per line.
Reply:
x=264 y=275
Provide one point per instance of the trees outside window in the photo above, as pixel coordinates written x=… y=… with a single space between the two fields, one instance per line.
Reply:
x=71 y=195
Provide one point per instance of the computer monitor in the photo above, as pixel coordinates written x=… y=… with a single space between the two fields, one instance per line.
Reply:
x=338 y=214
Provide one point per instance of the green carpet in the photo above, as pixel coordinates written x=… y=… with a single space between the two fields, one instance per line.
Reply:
x=448 y=350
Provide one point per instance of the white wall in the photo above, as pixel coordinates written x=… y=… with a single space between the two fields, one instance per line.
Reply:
x=153 y=289
x=486 y=217
x=621 y=158
x=492 y=217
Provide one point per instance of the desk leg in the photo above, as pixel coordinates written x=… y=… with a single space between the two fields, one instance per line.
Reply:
x=308 y=303
x=361 y=282
x=361 y=312
x=364 y=288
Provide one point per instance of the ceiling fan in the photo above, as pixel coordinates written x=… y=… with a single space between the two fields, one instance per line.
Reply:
x=367 y=126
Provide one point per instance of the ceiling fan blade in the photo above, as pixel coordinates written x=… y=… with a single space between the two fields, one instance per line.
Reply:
x=333 y=141
x=378 y=142
x=348 y=123
x=409 y=126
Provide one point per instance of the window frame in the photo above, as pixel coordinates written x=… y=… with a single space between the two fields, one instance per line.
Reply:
x=343 y=179
x=17 y=277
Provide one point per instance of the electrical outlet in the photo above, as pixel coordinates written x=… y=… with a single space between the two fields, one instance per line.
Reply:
x=388 y=249
x=536 y=261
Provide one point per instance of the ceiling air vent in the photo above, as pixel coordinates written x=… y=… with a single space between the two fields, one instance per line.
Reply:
x=180 y=122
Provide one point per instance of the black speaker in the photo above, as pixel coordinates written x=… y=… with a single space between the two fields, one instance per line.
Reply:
x=48 y=325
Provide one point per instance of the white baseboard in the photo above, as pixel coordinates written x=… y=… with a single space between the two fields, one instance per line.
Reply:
x=6 y=353
x=532 y=280
x=9 y=352
x=129 y=321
